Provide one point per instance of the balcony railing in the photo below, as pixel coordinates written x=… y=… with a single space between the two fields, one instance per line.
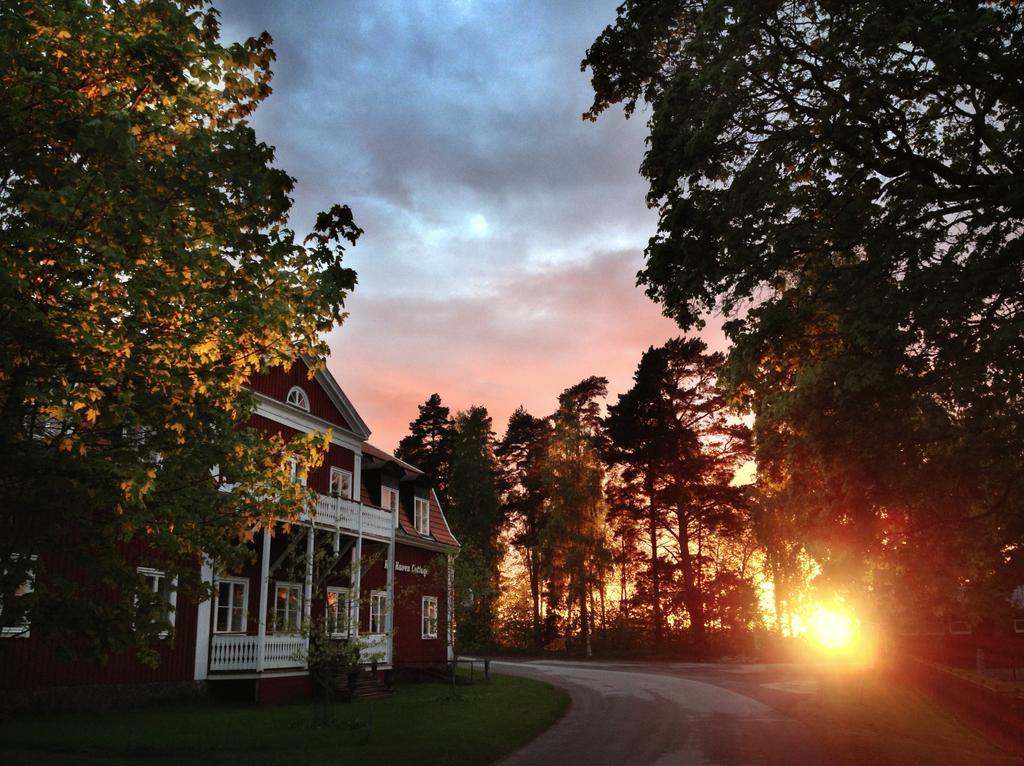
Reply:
x=234 y=652
x=344 y=513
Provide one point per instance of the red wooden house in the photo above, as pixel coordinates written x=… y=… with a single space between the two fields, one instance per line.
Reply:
x=372 y=559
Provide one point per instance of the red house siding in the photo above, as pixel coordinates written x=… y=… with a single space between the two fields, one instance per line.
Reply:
x=320 y=477
x=37 y=661
x=278 y=382
x=409 y=645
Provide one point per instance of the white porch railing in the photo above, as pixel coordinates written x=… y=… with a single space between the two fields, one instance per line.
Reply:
x=232 y=652
x=335 y=511
x=375 y=647
x=285 y=652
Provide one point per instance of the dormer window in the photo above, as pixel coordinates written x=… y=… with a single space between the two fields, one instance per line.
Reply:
x=421 y=515
x=389 y=498
x=297 y=398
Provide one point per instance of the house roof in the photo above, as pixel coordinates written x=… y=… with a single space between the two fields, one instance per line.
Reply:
x=440 y=532
x=386 y=457
x=330 y=385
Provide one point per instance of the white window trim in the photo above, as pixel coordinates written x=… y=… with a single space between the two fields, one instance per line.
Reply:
x=384 y=491
x=424 y=625
x=301 y=398
x=335 y=471
x=1018 y=625
x=172 y=599
x=294 y=475
x=417 y=504
x=244 y=582
x=27 y=586
x=295 y=586
x=380 y=596
x=345 y=598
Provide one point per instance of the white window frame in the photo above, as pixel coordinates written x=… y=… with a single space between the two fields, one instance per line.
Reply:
x=340 y=613
x=378 y=612
x=289 y=626
x=339 y=473
x=421 y=515
x=428 y=623
x=232 y=606
x=1018 y=625
x=24 y=630
x=386 y=492
x=156 y=575
x=300 y=397
x=294 y=474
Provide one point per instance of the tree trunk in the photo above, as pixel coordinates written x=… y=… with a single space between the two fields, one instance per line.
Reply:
x=623 y=599
x=692 y=596
x=585 y=621
x=652 y=529
x=535 y=595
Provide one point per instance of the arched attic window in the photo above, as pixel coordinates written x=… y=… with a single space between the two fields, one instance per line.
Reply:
x=297 y=398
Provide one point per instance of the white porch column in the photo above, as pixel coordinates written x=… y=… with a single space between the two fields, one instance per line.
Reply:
x=357 y=476
x=389 y=614
x=307 y=596
x=203 y=619
x=357 y=574
x=261 y=630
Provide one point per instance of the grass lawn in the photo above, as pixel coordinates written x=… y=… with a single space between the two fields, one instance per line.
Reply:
x=872 y=719
x=420 y=724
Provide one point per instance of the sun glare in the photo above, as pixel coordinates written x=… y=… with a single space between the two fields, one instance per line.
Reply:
x=833 y=629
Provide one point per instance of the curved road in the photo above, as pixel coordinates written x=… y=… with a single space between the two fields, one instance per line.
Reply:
x=670 y=713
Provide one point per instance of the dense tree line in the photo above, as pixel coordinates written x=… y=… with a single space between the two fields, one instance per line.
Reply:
x=618 y=528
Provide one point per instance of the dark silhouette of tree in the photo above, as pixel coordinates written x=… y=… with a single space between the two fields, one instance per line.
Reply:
x=673 y=437
x=846 y=180
x=428 y=445
x=642 y=430
x=476 y=518
x=521 y=454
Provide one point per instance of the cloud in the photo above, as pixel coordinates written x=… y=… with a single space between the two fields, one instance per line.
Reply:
x=503 y=233
x=521 y=339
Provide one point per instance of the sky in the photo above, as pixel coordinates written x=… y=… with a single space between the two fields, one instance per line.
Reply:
x=502 y=232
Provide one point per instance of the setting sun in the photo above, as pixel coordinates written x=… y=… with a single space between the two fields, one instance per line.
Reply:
x=833 y=629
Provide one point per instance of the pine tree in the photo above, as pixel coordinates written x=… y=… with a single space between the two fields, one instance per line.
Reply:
x=672 y=436
x=428 y=446
x=521 y=453
x=575 y=538
x=475 y=516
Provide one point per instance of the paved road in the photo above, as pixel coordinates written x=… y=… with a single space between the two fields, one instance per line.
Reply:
x=671 y=713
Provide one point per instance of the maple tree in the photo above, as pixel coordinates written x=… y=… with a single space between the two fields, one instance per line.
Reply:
x=147 y=269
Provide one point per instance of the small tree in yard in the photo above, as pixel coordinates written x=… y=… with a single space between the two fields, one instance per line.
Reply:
x=327 y=659
x=146 y=272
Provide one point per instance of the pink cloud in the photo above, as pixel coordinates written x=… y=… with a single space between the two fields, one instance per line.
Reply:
x=520 y=339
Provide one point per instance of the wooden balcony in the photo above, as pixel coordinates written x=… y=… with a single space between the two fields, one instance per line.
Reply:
x=351 y=517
